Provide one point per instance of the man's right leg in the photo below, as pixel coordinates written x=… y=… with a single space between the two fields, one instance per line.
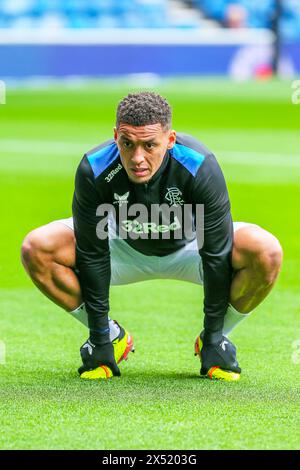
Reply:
x=48 y=255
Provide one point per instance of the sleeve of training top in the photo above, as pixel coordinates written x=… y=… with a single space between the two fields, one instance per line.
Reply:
x=210 y=189
x=92 y=253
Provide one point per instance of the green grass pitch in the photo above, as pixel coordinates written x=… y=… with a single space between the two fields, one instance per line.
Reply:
x=159 y=402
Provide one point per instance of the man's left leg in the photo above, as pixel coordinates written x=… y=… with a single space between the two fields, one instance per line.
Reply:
x=256 y=260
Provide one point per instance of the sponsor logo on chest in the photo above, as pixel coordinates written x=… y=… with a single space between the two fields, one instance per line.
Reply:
x=137 y=227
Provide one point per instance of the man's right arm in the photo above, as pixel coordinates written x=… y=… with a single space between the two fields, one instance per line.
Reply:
x=92 y=253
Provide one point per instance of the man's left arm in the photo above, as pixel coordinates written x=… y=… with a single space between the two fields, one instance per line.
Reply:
x=210 y=189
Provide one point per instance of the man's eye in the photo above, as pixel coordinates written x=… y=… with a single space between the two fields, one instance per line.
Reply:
x=149 y=145
x=127 y=145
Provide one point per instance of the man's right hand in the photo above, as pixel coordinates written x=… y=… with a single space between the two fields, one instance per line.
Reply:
x=219 y=354
x=94 y=356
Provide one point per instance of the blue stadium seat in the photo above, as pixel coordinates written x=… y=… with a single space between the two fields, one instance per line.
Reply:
x=215 y=9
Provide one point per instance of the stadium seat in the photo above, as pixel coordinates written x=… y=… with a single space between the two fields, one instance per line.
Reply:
x=140 y=14
x=259 y=14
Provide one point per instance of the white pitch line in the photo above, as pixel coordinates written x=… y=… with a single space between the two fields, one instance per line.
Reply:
x=45 y=147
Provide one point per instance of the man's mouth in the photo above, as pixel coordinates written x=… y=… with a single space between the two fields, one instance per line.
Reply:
x=139 y=171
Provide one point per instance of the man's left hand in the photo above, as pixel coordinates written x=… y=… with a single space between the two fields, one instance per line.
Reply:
x=94 y=356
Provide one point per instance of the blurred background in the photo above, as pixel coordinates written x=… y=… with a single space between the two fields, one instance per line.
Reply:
x=229 y=70
x=226 y=66
x=241 y=38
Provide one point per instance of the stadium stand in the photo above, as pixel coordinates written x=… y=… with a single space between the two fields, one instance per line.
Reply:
x=97 y=14
x=54 y=14
x=253 y=14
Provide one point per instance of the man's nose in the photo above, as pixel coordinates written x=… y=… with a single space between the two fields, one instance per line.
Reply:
x=138 y=156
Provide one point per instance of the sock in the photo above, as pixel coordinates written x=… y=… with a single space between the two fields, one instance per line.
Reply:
x=81 y=315
x=232 y=319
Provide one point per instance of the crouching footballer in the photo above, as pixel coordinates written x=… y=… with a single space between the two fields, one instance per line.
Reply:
x=152 y=203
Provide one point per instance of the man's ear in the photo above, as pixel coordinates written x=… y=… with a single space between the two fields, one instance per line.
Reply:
x=172 y=139
x=115 y=134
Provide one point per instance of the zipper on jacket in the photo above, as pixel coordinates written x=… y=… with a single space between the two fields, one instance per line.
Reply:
x=146 y=193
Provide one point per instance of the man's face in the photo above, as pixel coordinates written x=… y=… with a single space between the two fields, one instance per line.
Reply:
x=142 y=149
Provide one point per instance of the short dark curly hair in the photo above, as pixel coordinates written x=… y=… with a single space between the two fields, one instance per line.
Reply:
x=144 y=108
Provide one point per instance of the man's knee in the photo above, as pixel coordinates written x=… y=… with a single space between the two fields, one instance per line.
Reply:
x=260 y=250
x=36 y=251
x=269 y=260
x=46 y=247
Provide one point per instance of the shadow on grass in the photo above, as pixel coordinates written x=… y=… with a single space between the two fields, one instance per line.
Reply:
x=69 y=378
x=135 y=386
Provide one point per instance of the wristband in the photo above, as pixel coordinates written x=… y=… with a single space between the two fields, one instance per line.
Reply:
x=100 y=337
x=212 y=337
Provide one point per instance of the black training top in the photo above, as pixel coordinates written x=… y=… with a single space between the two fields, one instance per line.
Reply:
x=189 y=176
